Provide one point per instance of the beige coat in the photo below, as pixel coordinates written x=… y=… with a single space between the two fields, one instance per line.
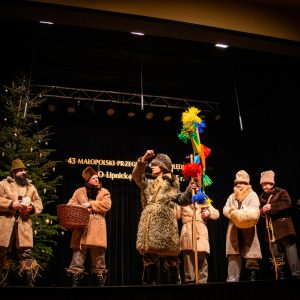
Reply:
x=94 y=235
x=9 y=192
x=248 y=199
x=186 y=213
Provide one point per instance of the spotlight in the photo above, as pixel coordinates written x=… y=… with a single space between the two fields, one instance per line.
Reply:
x=218 y=117
x=71 y=110
x=131 y=114
x=149 y=115
x=110 y=111
x=167 y=118
x=51 y=107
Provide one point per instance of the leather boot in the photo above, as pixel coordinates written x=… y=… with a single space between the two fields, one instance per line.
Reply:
x=150 y=275
x=172 y=275
x=75 y=277
x=4 y=268
x=282 y=275
x=3 y=278
x=28 y=278
x=99 y=278
x=252 y=273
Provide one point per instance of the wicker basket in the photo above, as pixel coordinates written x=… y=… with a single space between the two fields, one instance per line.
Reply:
x=72 y=217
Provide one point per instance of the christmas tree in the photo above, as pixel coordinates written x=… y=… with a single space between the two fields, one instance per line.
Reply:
x=21 y=137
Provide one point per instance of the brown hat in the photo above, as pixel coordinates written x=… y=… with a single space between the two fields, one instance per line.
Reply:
x=163 y=161
x=267 y=177
x=17 y=164
x=87 y=173
x=242 y=176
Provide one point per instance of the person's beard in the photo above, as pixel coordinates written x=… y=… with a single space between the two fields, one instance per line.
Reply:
x=21 y=180
x=92 y=191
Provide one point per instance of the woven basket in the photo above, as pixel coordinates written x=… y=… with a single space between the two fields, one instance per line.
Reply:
x=72 y=217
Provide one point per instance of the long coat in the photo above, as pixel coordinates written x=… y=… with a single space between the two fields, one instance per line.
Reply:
x=281 y=210
x=158 y=226
x=94 y=235
x=251 y=247
x=186 y=213
x=9 y=192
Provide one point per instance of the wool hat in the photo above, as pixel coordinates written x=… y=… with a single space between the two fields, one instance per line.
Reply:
x=87 y=173
x=267 y=176
x=17 y=164
x=242 y=176
x=163 y=161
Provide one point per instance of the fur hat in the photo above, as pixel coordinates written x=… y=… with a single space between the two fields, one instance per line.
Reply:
x=242 y=176
x=163 y=161
x=87 y=173
x=17 y=164
x=267 y=176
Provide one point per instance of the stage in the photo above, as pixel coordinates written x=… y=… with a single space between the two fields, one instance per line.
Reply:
x=272 y=289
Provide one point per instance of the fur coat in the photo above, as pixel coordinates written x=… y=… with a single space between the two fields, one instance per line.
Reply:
x=158 y=226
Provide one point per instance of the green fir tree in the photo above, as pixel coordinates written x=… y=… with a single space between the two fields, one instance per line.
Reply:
x=21 y=137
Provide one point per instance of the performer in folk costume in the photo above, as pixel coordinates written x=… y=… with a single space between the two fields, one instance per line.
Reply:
x=157 y=235
x=276 y=207
x=194 y=234
x=19 y=200
x=204 y=213
x=93 y=238
x=242 y=210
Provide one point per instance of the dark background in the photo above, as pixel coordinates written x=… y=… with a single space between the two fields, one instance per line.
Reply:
x=263 y=86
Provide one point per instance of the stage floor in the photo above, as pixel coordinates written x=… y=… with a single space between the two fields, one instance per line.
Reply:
x=268 y=290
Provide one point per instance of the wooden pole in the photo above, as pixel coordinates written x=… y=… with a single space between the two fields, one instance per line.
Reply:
x=269 y=229
x=194 y=231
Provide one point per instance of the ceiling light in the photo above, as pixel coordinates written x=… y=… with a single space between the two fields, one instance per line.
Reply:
x=137 y=33
x=221 y=46
x=131 y=114
x=47 y=22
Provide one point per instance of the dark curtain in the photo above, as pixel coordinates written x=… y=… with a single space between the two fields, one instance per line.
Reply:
x=267 y=142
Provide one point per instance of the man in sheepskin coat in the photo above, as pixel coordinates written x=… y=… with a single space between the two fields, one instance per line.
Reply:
x=158 y=236
x=204 y=212
x=242 y=242
x=19 y=200
x=93 y=238
x=276 y=202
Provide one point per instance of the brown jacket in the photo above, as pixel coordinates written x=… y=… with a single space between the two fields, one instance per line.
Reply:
x=281 y=210
x=94 y=235
x=9 y=192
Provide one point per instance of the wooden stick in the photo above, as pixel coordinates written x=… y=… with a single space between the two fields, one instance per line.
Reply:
x=271 y=240
x=194 y=230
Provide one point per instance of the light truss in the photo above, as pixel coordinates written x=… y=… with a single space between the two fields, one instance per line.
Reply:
x=80 y=94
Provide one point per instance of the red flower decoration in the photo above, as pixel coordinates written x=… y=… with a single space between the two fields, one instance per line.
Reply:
x=191 y=170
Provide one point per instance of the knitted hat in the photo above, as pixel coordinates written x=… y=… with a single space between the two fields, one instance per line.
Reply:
x=163 y=161
x=17 y=164
x=242 y=176
x=267 y=177
x=87 y=173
